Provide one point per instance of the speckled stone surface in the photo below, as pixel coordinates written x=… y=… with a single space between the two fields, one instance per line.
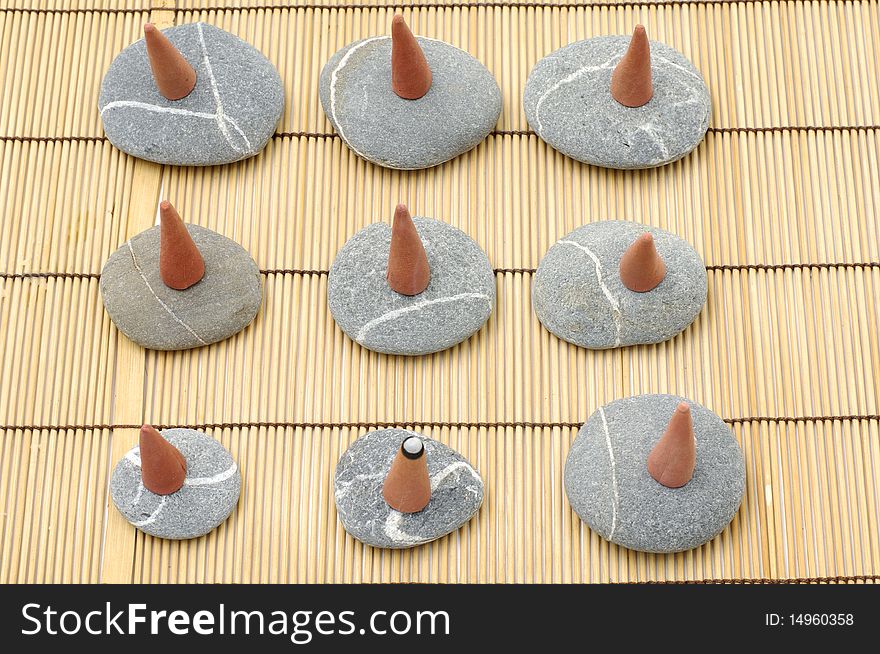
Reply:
x=156 y=317
x=234 y=81
x=609 y=487
x=458 y=301
x=568 y=103
x=456 y=492
x=577 y=293
x=208 y=496
x=458 y=111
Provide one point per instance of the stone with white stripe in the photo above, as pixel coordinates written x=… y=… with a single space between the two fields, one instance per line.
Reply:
x=230 y=114
x=157 y=317
x=568 y=103
x=208 y=496
x=577 y=292
x=456 y=492
x=457 y=302
x=608 y=484
x=458 y=111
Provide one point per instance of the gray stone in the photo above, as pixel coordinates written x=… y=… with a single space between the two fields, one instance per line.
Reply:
x=609 y=487
x=458 y=111
x=578 y=295
x=208 y=496
x=230 y=114
x=457 y=302
x=568 y=103
x=157 y=317
x=456 y=492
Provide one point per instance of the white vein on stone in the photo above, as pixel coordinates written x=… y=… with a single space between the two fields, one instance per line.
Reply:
x=438 y=478
x=395 y=533
x=651 y=131
x=583 y=70
x=213 y=479
x=615 y=305
x=679 y=66
x=155 y=514
x=392 y=522
x=159 y=300
x=134 y=457
x=418 y=306
x=219 y=113
x=334 y=78
x=146 y=106
x=343 y=487
x=219 y=116
x=140 y=492
x=615 y=497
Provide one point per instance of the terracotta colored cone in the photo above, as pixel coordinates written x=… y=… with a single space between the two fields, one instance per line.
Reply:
x=410 y=74
x=631 y=83
x=408 y=270
x=641 y=268
x=173 y=75
x=673 y=458
x=163 y=467
x=407 y=487
x=180 y=262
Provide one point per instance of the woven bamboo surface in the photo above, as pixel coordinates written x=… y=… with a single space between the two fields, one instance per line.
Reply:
x=782 y=200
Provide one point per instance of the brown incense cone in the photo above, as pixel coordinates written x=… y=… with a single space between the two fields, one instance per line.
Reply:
x=641 y=268
x=174 y=77
x=180 y=262
x=408 y=270
x=163 y=467
x=410 y=74
x=673 y=458
x=631 y=83
x=407 y=487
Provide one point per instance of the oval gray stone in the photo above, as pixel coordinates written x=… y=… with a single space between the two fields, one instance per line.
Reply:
x=157 y=317
x=577 y=293
x=208 y=496
x=609 y=487
x=458 y=301
x=456 y=492
x=230 y=114
x=458 y=111
x=568 y=103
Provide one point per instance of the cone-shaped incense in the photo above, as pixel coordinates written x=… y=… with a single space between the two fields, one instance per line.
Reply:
x=410 y=73
x=641 y=268
x=631 y=83
x=408 y=270
x=163 y=467
x=180 y=262
x=174 y=76
x=407 y=487
x=673 y=458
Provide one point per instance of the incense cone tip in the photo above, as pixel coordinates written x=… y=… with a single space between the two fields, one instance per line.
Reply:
x=641 y=267
x=174 y=76
x=181 y=265
x=631 y=82
x=410 y=74
x=673 y=459
x=163 y=468
x=408 y=270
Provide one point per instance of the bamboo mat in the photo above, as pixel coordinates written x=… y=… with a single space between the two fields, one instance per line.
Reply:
x=782 y=200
